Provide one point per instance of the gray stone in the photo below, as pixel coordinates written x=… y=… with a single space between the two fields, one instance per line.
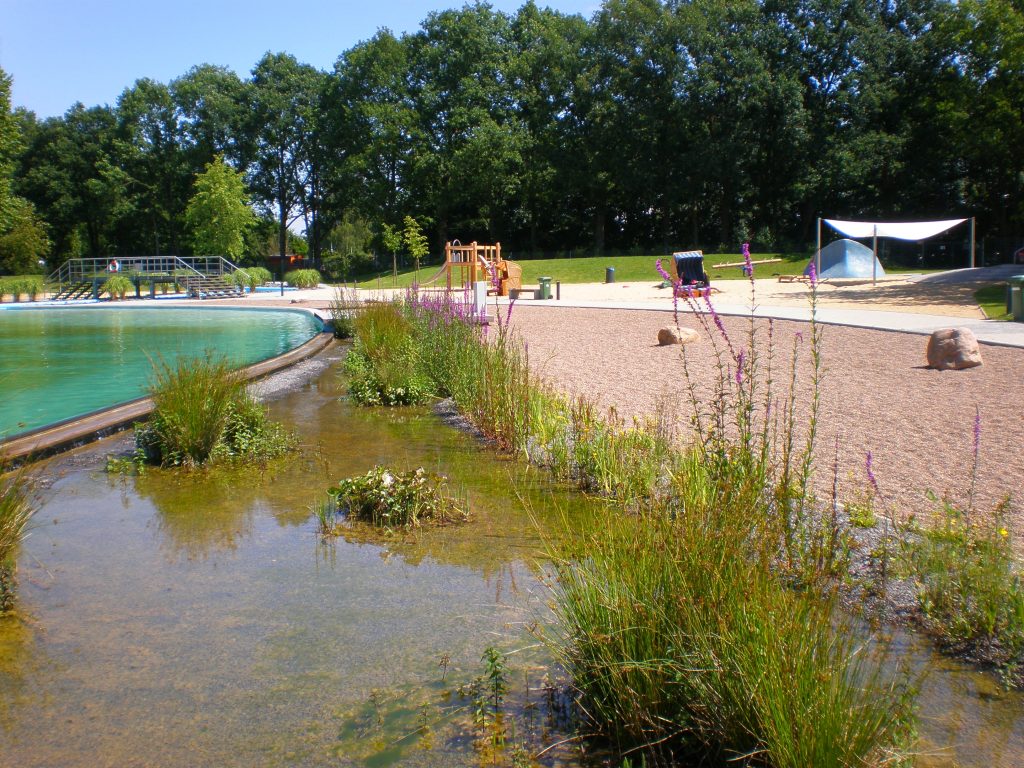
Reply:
x=954 y=348
x=668 y=336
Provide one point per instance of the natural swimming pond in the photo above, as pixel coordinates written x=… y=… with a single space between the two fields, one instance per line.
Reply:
x=197 y=619
x=56 y=364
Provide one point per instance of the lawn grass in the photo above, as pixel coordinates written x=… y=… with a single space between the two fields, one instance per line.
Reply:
x=992 y=300
x=628 y=269
x=591 y=269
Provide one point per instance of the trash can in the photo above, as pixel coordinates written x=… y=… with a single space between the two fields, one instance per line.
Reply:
x=609 y=274
x=1016 y=289
x=545 y=287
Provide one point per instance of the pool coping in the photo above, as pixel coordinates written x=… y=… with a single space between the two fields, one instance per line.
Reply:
x=71 y=433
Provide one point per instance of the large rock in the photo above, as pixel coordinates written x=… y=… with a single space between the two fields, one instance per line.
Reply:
x=955 y=348
x=667 y=336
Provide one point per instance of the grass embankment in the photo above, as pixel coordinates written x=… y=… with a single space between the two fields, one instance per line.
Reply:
x=992 y=300
x=704 y=625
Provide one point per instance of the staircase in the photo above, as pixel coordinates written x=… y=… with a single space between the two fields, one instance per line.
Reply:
x=212 y=288
x=78 y=290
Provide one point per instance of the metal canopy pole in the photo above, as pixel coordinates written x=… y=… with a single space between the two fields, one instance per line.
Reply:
x=972 y=242
x=817 y=253
x=874 y=253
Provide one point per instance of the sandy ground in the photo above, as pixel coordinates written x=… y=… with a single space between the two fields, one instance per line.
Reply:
x=876 y=394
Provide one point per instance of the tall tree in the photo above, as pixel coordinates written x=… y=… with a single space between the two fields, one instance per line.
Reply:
x=284 y=94
x=218 y=214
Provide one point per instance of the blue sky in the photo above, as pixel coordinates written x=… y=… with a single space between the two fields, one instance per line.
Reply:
x=63 y=51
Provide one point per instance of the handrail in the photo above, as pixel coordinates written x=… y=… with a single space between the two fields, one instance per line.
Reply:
x=90 y=268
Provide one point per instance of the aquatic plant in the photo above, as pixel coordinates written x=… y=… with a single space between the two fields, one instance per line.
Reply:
x=391 y=499
x=202 y=412
x=344 y=304
x=303 y=278
x=16 y=510
x=382 y=364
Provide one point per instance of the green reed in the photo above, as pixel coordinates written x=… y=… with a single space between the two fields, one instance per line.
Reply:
x=16 y=510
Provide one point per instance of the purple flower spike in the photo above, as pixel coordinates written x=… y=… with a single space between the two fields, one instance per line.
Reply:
x=869 y=468
x=748 y=265
x=661 y=271
x=812 y=274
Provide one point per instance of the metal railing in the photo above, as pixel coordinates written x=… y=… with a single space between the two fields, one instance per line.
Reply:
x=79 y=270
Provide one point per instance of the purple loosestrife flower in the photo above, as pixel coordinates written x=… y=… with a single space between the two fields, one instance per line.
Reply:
x=869 y=468
x=508 y=313
x=740 y=358
x=812 y=274
x=748 y=265
x=676 y=288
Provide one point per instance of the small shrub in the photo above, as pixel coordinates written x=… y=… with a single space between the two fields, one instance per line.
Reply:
x=16 y=511
x=390 y=499
x=117 y=286
x=303 y=278
x=203 y=412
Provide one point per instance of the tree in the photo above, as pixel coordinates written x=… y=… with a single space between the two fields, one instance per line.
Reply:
x=218 y=213
x=415 y=241
x=284 y=95
x=23 y=238
x=392 y=239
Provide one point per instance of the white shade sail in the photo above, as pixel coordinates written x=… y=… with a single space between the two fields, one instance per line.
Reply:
x=911 y=230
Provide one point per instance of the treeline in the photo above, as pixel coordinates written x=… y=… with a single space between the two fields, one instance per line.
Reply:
x=652 y=125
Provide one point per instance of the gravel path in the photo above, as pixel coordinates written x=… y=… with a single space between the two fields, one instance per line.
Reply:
x=876 y=395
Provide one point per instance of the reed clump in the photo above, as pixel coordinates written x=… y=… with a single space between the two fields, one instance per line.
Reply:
x=16 y=511
x=383 y=364
x=202 y=413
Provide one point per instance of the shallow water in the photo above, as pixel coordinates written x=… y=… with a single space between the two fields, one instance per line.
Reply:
x=176 y=619
x=56 y=364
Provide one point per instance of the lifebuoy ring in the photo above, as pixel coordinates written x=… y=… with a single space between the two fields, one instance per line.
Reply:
x=114 y=266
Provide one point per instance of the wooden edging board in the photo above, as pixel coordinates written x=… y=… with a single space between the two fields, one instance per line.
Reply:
x=80 y=430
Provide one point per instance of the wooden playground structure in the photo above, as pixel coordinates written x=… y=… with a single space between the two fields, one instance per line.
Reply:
x=467 y=264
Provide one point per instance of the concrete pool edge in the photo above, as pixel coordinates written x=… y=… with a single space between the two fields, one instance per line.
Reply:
x=72 y=433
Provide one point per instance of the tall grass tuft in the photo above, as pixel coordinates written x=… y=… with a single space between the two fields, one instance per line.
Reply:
x=303 y=278
x=16 y=510
x=344 y=305
x=383 y=363
x=202 y=412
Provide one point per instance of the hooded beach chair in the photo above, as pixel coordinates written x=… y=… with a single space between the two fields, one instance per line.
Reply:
x=690 y=268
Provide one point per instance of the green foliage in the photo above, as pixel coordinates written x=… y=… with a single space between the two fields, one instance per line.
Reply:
x=414 y=240
x=682 y=644
x=202 y=412
x=390 y=499
x=344 y=305
x=348 y=247
x=251 y=277
x=117 y=286
x=22 y=285
x=969 y=583
x=16 y=510
x=382 y=364
x=303 y=278
x=218 y=213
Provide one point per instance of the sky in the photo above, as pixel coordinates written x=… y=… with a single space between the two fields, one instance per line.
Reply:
x=62 y=51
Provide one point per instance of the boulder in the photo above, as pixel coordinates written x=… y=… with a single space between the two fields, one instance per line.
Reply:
x=954 y=348
x=667 y=336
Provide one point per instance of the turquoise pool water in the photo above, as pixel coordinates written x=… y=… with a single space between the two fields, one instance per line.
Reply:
x=56 y=364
